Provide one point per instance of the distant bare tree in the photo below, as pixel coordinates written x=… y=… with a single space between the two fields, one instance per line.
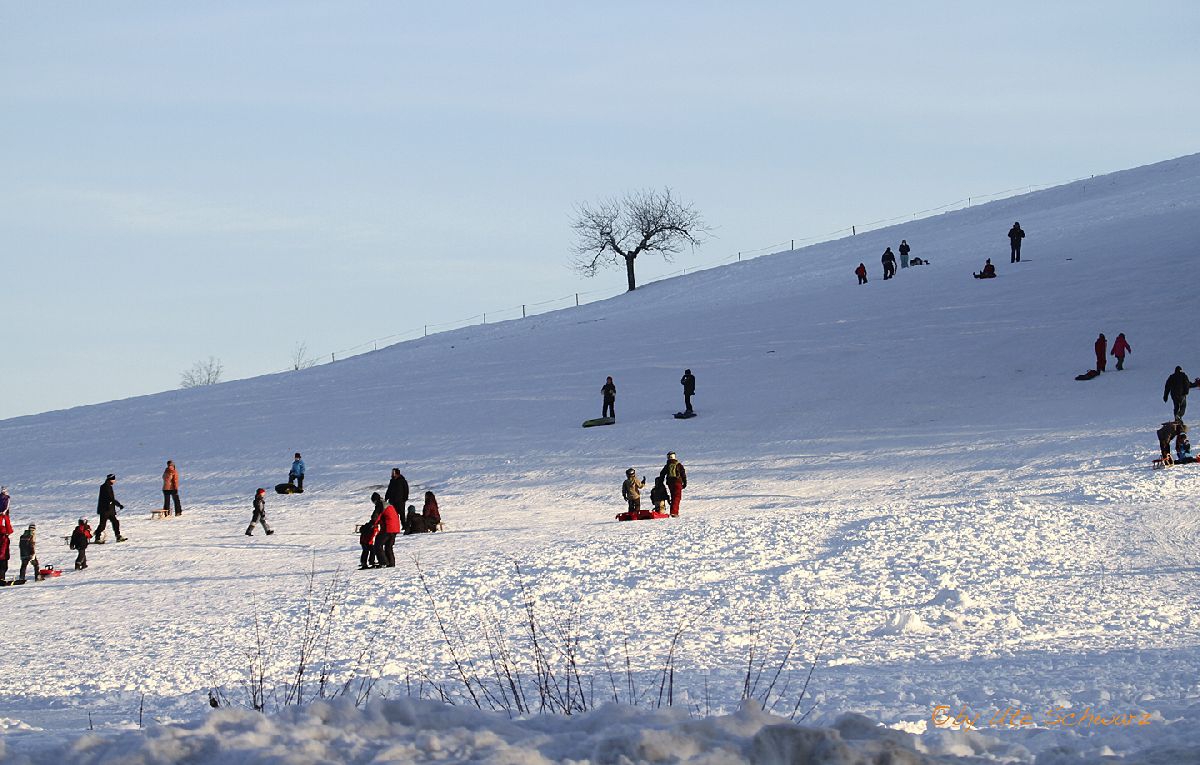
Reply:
x=202 y=373
x=300 y=357
x=616 y=231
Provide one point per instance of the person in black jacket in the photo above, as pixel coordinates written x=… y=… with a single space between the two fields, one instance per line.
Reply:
x=28 y=548
x=1015 y=235
x=1168 y=431
x=1177 y=388
x=904 y=249
x=397 y=496
x=889 y=263
x=107 y=506
x=688 y=381
x=609 y=392
x=79 y=542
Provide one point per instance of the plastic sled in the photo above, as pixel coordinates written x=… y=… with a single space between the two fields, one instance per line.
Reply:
x=641 y=515
x=287 y=488
x=599 y=421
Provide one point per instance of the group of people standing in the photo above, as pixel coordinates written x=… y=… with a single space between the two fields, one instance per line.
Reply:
x=608 y=395
x=377 y=537
x=889 y=262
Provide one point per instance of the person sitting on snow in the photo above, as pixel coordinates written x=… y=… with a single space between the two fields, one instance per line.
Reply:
x=1183 y=449
x=988 y=272
x=659 y=495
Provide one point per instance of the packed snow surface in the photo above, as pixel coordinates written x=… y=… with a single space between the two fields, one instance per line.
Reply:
x=906 y=524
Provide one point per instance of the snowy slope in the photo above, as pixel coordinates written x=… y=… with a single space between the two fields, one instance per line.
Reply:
x=904 y=473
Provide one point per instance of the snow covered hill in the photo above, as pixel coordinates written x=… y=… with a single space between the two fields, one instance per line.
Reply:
x=903 y=478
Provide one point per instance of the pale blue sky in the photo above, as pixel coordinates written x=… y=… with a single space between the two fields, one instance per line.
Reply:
x=185 y=180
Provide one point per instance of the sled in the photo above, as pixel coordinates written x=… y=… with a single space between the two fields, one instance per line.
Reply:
x=1088 y=375
x=684 y=415
x=641 y=515
x=287 y=488
x=1162 y=462
x=599 y=421
x=160 y=514
x=50 y=571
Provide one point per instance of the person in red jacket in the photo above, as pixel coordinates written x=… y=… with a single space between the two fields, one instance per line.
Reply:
x=389 y=527
x=861 y=273
x=171 y=488
x=79 y=542
x=433 y=516
x=1101 y=352
x=1119 y=349
x=367 y=533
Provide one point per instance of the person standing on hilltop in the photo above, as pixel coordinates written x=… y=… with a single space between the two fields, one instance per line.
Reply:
x=1015 y=235
x=688 y=381
x=106 y=507
x=171 y=488
x=904 y=250
x=1101 y=352
x=609 y=392
x=1119 y=349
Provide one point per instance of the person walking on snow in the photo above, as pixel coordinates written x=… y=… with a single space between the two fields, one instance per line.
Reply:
x=171 y=488
x=79 y=542
x=367 y=533
x=296 y=474
x=6 y=530
x=28 y=548
x=631 y=490
x=889 y=263
x=1015 y=235
x=904 y=250
x=1177 y=388
x=260 y=513
x=1101 y=352
x=609 y=392
x=106 y=506
x=861 y=273
x=1119 y=349
x=688 y=381
x=675 y=477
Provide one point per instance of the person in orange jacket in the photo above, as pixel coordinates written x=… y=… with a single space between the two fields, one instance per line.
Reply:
x=861 y=273
x=171 y=488
x=1119 y=349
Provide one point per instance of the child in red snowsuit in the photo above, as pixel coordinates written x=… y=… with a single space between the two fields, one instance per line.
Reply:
x=1119 y=349
x=1101 y=352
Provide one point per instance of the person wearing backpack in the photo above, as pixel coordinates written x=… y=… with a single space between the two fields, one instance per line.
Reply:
x=675 y=477
x=79 y=542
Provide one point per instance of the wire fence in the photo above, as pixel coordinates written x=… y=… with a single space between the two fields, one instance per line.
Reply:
x=576 y=299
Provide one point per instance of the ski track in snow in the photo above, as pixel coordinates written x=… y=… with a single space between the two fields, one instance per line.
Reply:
x=904 y=478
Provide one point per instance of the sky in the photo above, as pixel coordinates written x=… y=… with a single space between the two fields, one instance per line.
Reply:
x=230 y=180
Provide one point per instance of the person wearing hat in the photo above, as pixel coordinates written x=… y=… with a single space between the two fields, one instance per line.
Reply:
x=6 y=530
x=28 y=547
x=260 y=514
x=631 y=490
x=609 y=393
x=688 y=381
x=1015 y=235
x=397 y=496
x=79 y=542
x=1170 y=430
x=676 y=479
x=107 y=506
x=296 y=474
x=171 y=488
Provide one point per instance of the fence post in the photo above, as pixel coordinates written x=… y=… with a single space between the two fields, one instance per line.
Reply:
x=332 y=358
x=793 y=244
x=485 y=318
x=739 y=257
x=522 y=311
x=853 y=232
x=576 y=299
x=426 y=330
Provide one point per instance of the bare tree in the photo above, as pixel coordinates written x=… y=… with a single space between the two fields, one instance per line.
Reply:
x=616 y=231
x=202 y=373
x=300 y=357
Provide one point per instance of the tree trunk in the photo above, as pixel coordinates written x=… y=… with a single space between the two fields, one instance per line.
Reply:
x=629 y=273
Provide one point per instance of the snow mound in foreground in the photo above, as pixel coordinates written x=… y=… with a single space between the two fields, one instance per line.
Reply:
x=904 y=623
x=411 y=730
